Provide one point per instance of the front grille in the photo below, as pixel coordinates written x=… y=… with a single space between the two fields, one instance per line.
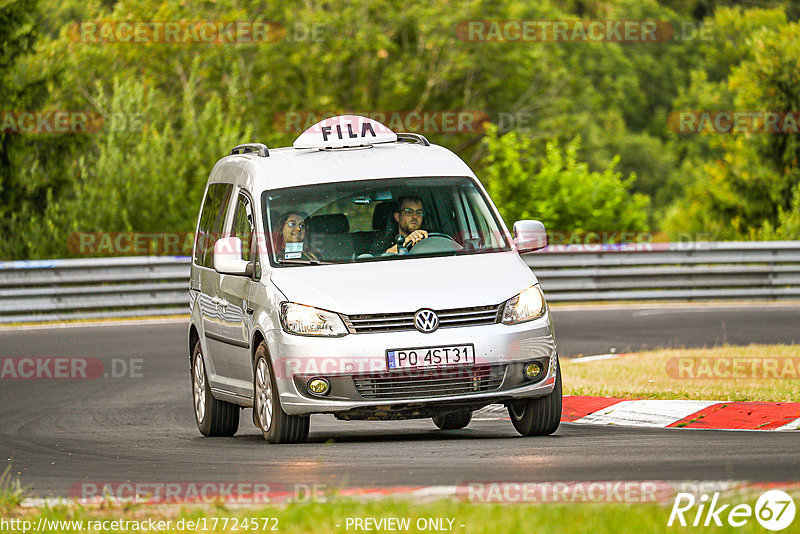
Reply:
x=398 y=322
x=442 y=382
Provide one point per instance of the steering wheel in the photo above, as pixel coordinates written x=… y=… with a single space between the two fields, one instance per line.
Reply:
x=399 y=239
x=436 y=243
x=437 y=234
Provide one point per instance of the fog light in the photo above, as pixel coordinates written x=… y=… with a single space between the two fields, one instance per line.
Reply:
x=533 y=370
x=319 y=386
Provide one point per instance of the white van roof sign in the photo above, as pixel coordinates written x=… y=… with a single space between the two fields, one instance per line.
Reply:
x=344 y=131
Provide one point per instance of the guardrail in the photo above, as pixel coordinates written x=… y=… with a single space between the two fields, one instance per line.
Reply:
x=669 y=271
x=55 y=290
x=92 y=288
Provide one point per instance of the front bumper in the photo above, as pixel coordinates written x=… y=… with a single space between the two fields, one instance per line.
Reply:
x=350 y=360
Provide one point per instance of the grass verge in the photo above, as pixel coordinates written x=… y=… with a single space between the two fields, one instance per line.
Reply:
x=756 y=373
x=11 y=492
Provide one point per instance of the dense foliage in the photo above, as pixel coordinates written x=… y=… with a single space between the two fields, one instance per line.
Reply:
x=583 y=138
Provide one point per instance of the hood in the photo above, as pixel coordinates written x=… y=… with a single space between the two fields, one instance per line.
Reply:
x=406 y=285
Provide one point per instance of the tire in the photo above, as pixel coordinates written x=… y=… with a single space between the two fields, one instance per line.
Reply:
x=276 y=425
x=540 y=416
x=213 y=417
x=452 y=420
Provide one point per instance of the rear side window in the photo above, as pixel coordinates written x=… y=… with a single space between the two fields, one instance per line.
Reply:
x=243 y=226
x=211 y=219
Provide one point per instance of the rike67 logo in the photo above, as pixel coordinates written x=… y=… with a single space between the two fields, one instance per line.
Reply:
x=774 y=510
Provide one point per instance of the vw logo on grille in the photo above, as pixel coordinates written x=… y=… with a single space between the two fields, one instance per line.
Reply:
x=426 y=321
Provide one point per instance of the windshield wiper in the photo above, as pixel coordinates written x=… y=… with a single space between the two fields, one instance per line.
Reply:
x=304 y=262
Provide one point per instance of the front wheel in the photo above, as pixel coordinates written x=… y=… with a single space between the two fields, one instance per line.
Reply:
x=214 y=417
x=276 y=425
x=540 y=416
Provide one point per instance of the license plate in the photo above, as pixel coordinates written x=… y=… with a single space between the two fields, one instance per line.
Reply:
x=421 y=358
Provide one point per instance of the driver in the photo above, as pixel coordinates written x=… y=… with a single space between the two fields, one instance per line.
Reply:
x=408 y=215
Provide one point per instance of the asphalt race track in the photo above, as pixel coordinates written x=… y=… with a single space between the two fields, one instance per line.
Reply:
x=59 y=433
x=625 y=329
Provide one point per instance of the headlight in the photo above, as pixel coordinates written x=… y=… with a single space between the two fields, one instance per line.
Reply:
x=310 y=321
x=526 y=306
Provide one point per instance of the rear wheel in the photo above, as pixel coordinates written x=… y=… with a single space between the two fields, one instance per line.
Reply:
x=540 y=416
x=452 y=420
x=276 y=425
x=214 y=417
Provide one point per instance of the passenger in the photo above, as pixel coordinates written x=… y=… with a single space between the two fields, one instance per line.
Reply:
x=293 y=228
x=408 y=215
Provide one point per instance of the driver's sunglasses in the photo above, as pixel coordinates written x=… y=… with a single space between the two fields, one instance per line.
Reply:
x=409 y=211
x=295 y=224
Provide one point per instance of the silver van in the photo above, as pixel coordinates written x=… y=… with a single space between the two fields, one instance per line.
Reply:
x=368 y=275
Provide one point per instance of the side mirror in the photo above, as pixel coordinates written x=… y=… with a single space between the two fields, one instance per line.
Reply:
x=228 y=257
x=529 y=236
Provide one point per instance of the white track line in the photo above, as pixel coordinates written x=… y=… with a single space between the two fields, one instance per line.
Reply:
x=651 y=413
x=794 y=425
x=598 y=357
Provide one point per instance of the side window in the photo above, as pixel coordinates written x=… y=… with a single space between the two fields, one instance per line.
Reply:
x=479 y=215
x=211 y=220
x=474 y=231
x=243 y=226
x=200 y=245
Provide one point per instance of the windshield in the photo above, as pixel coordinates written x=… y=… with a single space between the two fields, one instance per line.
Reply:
x=380 y=220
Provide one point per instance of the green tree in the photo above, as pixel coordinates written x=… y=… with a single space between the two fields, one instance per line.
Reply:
x=32 y=167
x=195 y=100
x=144 y=175
x=746 y=187
x=554 y=187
